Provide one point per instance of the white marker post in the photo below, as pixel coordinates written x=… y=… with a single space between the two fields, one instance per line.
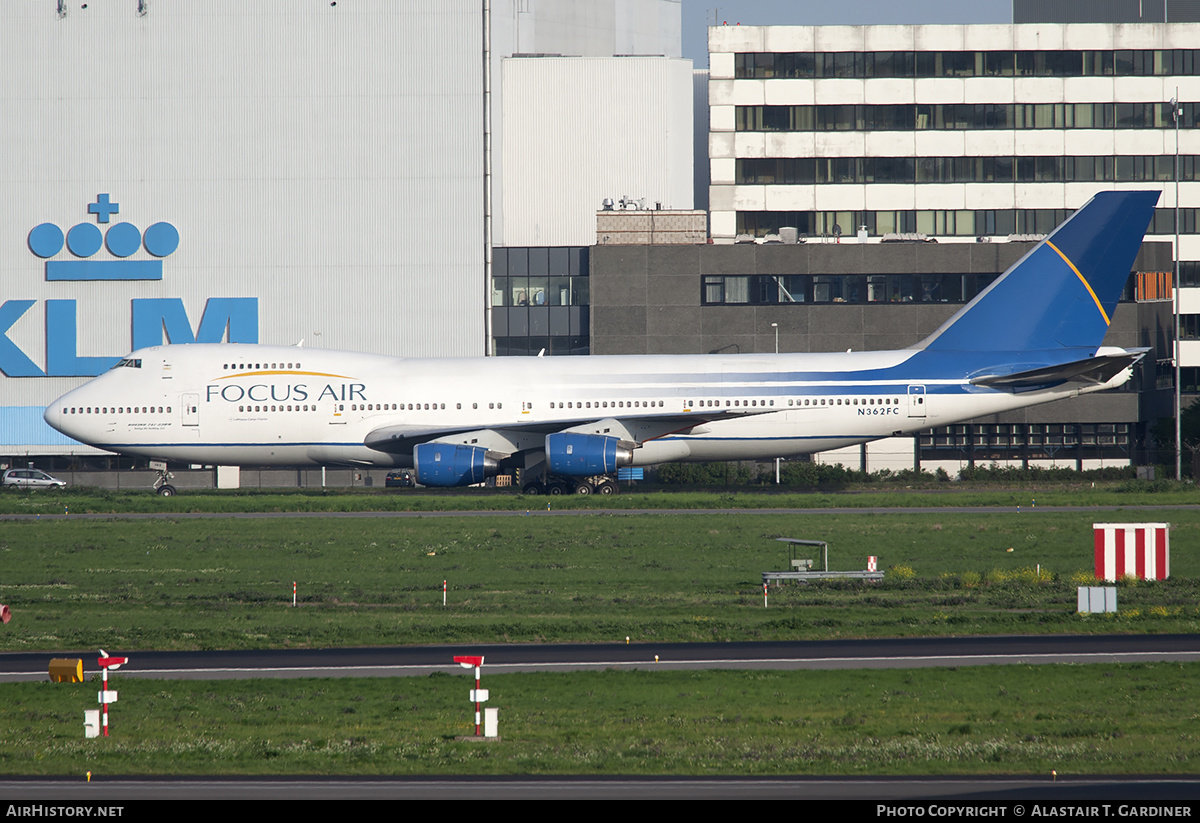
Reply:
x=478 y=695
x=106 y=696
x=293 y=594
x=764 y=595
x=443 y=593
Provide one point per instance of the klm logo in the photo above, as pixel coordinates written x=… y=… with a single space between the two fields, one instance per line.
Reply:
x=121 y=240
x=153 y=320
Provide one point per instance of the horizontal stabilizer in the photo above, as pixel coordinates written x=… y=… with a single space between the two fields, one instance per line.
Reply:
x=1095 y=370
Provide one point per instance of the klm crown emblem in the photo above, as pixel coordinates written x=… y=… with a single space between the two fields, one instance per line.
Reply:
x=122 y=240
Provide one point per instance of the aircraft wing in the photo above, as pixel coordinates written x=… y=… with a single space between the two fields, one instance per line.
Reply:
x=401 y=439
x=1094 y=370
x=511 y=438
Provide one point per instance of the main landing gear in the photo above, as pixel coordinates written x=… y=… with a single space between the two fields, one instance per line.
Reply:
x=161 y=485
x=598 y=484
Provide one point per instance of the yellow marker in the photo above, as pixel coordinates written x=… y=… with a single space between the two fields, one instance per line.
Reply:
x=89 y=775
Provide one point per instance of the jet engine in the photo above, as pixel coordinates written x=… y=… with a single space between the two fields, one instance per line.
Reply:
x=584 y=455
x=445 y=464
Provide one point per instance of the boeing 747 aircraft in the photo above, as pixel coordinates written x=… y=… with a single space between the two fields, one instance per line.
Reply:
x=1034 y=335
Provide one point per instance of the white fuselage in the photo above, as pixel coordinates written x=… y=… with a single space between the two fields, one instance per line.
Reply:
x=273 y=405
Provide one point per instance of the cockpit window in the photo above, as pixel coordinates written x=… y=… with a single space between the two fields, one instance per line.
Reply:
x=129 y=363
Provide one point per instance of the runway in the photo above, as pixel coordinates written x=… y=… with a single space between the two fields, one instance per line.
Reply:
x=405 y=661
x=969 y=795
x=997 y=796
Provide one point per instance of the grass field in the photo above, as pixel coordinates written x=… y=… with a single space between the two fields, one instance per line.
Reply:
x=183 y=583
x=1103 y=719
x=84 y=500
x=227 y=583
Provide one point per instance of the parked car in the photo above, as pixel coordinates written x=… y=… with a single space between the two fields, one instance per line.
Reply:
x=399 y=480
x=31 y=479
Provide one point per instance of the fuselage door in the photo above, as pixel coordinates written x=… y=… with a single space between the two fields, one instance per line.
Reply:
x=916 y=401
x=191 y=410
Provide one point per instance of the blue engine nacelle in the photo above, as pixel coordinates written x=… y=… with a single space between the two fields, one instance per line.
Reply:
x=445 y=464
x=583 y=455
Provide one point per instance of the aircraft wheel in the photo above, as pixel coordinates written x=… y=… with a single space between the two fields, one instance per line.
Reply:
x=606 y=487
x=583 y=488
x=555 y=489
x=166 y=491
x=532 y=489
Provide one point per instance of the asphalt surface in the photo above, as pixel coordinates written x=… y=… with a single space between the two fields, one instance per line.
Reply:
x=401 y=661
x=996 y=797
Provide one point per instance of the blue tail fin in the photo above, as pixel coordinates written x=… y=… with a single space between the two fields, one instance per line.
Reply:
x=1064 y=291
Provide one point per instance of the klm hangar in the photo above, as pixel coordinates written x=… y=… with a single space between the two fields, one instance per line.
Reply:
x=326 y=174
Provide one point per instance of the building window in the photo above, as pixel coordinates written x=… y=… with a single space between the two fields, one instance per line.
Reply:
x=1189 y=327
x=768 y=289
x=962 y=116
x=950 y=223
x=1189 y=380
x=1189 y=274
x=540 y=299
x=986 y=442
x=865 y=65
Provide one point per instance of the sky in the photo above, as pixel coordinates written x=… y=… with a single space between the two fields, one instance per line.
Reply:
x=698 y=15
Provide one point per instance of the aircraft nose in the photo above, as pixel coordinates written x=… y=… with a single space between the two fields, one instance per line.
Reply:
x=53 y=416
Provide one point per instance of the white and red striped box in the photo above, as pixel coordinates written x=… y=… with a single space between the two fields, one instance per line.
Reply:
x=1139 y=549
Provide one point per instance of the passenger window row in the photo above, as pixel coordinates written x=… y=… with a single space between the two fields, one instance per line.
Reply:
x=306 y=407
x=364 y=407
x=847 y=401
x=116 y=410
x=733 y=403
x=240 y=366
x=604 y=404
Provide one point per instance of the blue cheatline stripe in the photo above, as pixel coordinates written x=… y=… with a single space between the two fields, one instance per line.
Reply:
x=708 y=438
x=24 y=426
x=178 y=444
x=922 y=366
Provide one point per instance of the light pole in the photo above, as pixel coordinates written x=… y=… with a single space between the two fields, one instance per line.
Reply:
x=775 y=326
x=1175 y=114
